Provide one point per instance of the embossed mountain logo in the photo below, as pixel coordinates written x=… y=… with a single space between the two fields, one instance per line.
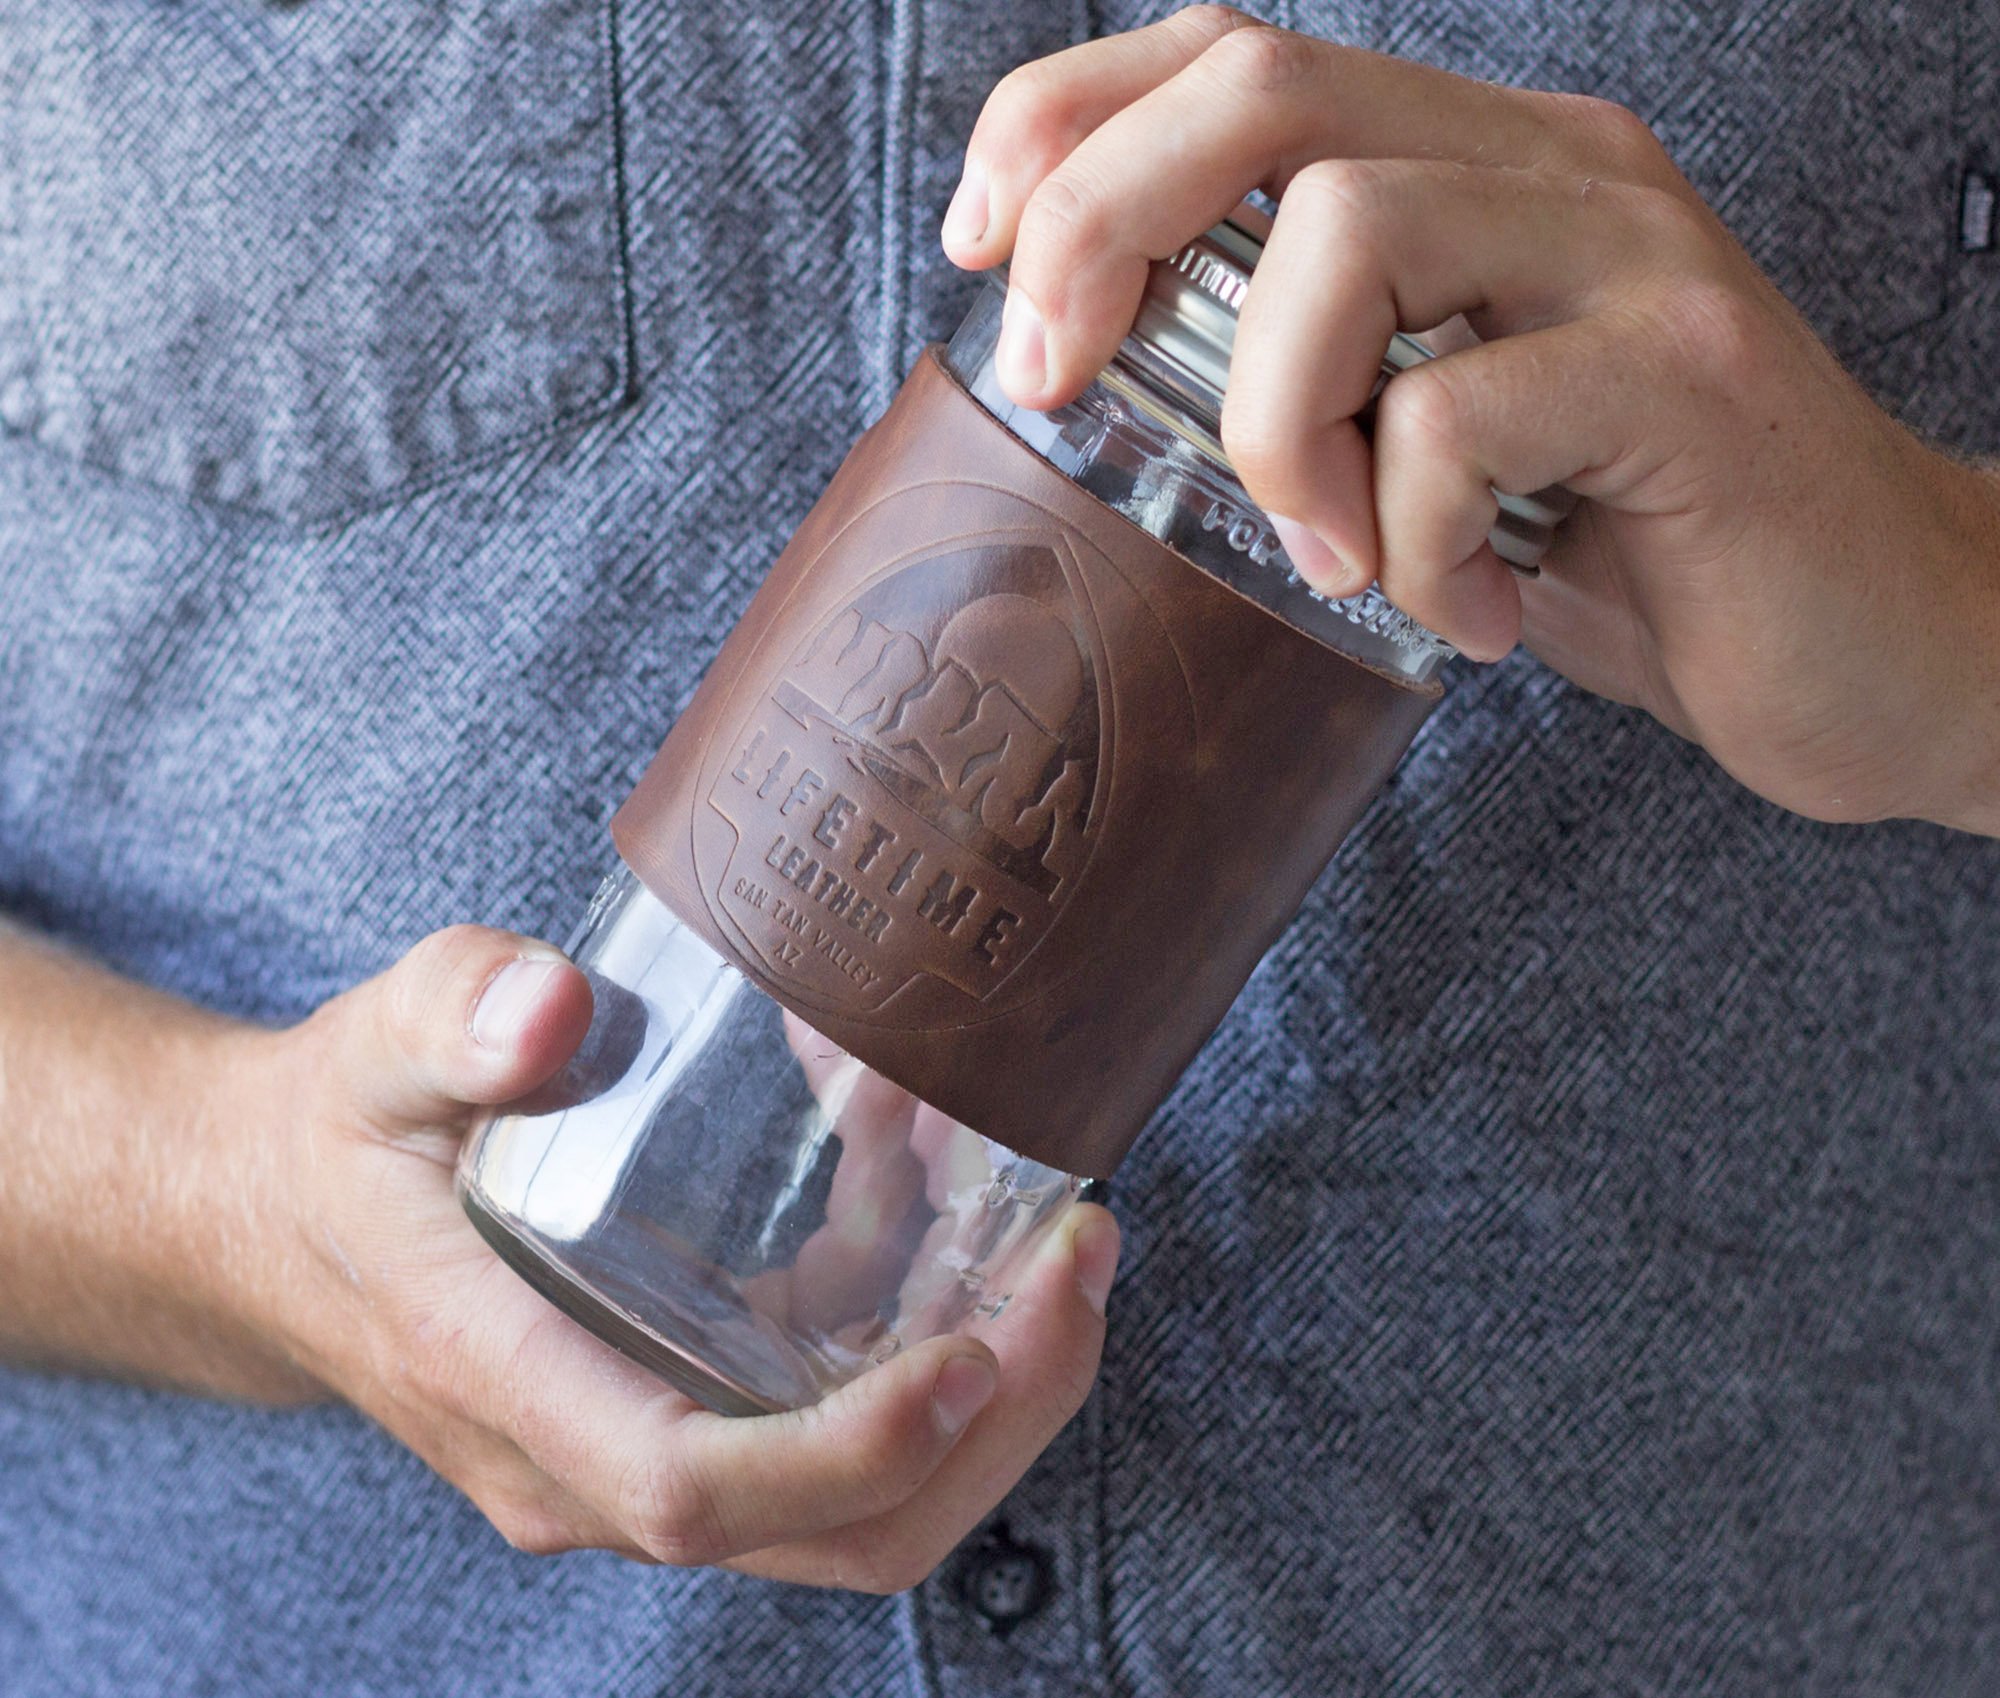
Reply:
x=924 y=773
x=988 y=761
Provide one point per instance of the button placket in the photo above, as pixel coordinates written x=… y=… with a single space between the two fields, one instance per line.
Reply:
x=1018 y=1608
x=1016 y=1611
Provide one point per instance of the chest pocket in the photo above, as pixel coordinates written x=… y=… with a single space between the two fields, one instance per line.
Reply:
x=305 y=260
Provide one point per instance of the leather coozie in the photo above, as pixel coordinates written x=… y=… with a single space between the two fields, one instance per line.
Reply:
x=1000 y=794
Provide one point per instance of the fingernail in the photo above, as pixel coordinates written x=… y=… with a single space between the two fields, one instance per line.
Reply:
x=1095 y=1249
x=964 y=1387
x=966 y=218
x=1023 y=356
x=1316 y=563
x=508 y=1003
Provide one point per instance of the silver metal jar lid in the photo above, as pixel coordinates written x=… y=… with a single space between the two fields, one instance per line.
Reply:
x=1187 y=319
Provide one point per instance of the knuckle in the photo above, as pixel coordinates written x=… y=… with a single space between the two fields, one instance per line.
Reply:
x=420 y=1370
x=402 y=1015
x=1260 y=449
x=1263 y=60
x=445 y=950
x=1350 y=191
x=1424 y=411
x=675 y=1516
x=1039 y=97
x=1669 y=222
x=426 y=978
x=882 y=1461
x=1063 y=213
x=1606 y=132
x=1066 y=222
x=1209 y=23
x=534 y=1530
x=1712 y=327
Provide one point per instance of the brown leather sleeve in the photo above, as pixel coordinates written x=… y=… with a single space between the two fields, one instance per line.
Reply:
x=1001 y=794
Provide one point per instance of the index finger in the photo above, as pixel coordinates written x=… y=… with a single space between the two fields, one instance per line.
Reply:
x=1040 y=111
x=1049 y=1342
x=682 y=1485
x=1220 y=103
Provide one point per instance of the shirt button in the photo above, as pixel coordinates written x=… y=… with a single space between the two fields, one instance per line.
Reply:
x=1004 y=1581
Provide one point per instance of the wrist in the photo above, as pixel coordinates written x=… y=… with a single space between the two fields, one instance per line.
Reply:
x=216 y=1254
x=238 y=1244
x=1964 y=791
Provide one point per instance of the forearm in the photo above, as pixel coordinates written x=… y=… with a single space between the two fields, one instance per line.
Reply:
x=122 y=1201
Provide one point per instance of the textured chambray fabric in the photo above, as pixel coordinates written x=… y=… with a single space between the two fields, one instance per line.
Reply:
x=1573 y=1269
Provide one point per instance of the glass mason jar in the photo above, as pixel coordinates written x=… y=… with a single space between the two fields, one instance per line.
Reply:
x=930 y=895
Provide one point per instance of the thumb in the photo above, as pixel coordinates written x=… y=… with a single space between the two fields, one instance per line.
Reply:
x=470 y=1016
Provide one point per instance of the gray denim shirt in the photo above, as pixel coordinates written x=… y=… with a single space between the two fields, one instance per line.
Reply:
x=1574 y=1266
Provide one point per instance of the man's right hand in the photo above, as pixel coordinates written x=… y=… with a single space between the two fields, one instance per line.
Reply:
x=1766 y=560
x=330 y=1245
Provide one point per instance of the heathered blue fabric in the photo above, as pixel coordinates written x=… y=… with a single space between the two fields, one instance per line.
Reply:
x=1573 y=1269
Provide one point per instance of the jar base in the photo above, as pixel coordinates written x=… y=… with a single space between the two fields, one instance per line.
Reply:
x=627 y=1334
x=730 y=1200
